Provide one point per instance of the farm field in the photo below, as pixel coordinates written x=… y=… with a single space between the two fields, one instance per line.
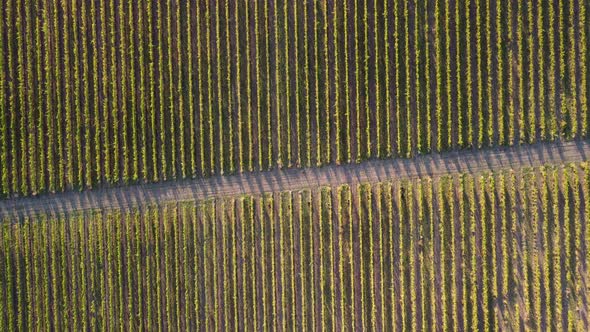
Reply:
x=294 y=165
x=104 y=92
x=506 y=249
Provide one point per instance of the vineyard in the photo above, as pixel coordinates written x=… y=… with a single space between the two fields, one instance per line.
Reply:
x=496 y=250
x=226 y=153
x=114 y=92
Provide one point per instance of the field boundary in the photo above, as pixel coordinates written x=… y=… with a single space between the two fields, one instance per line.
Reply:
x=371 y=171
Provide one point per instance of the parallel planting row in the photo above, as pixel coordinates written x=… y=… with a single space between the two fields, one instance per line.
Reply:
x=505 y=250
x=110 y=91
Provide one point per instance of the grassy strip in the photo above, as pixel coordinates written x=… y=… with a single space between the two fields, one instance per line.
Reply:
x=12 y=99
x=4 y=163
x=114 y=121
x=31 y=168
x=124 y=103
x=22 y=109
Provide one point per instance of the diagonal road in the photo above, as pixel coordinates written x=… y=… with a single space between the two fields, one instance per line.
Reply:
x=433 y=165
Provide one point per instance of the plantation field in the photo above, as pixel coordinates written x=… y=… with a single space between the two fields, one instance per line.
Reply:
x=495 y=250
x=105 y=92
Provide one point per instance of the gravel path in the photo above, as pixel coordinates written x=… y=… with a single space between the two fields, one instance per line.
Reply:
x=433 y=165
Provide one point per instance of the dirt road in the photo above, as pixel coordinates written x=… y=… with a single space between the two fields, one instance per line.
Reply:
x=433 y=165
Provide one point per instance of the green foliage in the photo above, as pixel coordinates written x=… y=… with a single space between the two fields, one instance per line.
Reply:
x=457 y=252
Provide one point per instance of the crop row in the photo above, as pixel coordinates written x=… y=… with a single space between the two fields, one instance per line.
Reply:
x=505 y=250
x=109 y=91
